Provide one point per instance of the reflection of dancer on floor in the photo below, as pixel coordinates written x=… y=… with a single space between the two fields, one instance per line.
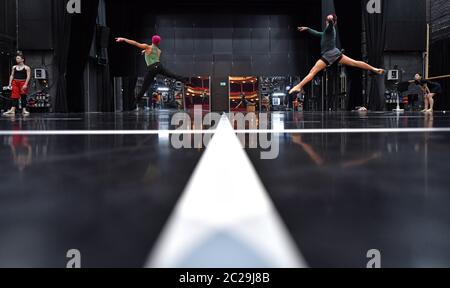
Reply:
x=330 y=54
x=152 y=55
x=18 y=83
x=429 y=89
x=21 y=151
x=320 y=161
x=428 y=121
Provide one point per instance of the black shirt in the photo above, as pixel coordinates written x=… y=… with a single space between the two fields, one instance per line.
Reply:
x=421 y=82
x=20 y=74
x=429 y=84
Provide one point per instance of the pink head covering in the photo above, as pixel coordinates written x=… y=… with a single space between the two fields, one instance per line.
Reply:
x=156 y=39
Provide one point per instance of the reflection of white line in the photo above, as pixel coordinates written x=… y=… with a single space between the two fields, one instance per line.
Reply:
x=267 y=131
x=103 y=132
x=345 y=130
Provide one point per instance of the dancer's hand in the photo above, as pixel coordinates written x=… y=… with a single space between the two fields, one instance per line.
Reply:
x=330 y=18
x=380 y=71
x=143 y=52
x=118 y=40
x=302 y=29
x=24 y=87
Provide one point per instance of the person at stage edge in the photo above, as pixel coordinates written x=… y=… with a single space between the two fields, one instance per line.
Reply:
x=18 y=83
x=429 y=89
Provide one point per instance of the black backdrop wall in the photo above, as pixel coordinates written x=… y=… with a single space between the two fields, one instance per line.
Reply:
x=405 y=25
x=250 y=44
x=35 y=29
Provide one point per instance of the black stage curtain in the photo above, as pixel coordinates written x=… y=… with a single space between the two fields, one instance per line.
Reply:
x=82 y=33
x=349 y=27
x=122 y=59
x=123 y=20
x=61 y=33
x=375 y=25
x=440 y=65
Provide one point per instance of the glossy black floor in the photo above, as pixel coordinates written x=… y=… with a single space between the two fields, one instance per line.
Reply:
x=340 y=194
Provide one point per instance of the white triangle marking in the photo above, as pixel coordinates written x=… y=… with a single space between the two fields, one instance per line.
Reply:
x=225 y=195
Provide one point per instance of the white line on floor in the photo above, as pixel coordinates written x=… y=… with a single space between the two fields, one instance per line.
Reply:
x=264 y=131
x=219 y=223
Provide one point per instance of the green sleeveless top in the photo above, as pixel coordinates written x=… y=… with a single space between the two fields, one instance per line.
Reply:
x=153 y=57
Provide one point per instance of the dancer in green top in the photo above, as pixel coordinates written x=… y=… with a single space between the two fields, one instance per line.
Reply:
x=152 y=55
x=330 y=54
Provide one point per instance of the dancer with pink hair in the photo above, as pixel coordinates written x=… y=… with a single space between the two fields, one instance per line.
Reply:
x=152 y=55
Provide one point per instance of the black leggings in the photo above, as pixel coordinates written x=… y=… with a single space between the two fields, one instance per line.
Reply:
x=23 y=100
x=153 y=70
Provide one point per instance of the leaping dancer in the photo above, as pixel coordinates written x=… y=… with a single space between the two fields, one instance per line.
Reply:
x=330 y=54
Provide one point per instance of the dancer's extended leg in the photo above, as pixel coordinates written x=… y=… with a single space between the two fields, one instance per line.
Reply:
x=360 y=64
x=425 y=99
x=431 y=101
x=148 y=81
x=163 y=71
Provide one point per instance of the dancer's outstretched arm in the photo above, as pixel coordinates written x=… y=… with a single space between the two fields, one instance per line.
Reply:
x=312 y=32
x=316 y=33
x=142 y=46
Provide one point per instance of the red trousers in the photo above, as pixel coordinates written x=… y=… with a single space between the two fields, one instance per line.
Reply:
x=17 y=89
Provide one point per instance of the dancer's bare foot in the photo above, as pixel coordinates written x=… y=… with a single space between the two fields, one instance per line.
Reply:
x=10 y=112
x=295 y=89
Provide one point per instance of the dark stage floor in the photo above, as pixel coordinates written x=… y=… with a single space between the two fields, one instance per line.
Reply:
x=333 y=195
